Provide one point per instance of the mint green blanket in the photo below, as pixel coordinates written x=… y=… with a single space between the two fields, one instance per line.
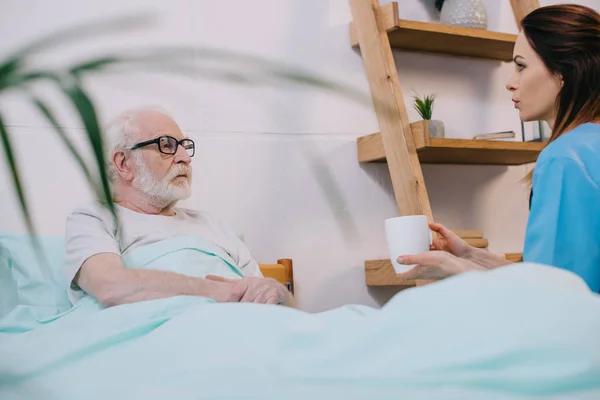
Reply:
x=523 y=331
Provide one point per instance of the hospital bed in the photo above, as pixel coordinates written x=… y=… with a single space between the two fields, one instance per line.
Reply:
x=282 y=272
x=519 y=332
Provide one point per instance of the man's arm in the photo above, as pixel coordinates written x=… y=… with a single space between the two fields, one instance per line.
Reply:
x=105 y=277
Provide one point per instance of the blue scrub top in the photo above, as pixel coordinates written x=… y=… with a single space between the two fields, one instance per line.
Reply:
x=563 y=228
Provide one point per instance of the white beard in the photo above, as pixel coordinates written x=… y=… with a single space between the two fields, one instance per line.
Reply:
x=163 y=192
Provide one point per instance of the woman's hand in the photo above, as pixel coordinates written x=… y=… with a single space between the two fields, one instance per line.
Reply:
x=435 y=265
x=450 y=242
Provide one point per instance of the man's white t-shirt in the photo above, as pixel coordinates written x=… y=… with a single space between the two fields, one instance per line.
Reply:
x=92 y=230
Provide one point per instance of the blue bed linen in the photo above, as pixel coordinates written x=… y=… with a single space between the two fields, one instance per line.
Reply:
x=516 y=332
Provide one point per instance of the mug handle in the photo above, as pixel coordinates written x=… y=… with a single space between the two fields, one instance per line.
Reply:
x=430 y=237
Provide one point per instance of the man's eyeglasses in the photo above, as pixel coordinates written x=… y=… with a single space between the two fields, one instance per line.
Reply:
x=169 y=145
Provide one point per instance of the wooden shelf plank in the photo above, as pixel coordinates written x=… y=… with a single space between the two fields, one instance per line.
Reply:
x=469 y=234
x=442 y=39
x=381 y=273
x=446 y=39
x=514 y=257
x=480 y=243
x=456 y=151
x=465 y=151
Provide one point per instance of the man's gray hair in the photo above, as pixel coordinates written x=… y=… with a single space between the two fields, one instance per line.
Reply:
x=122 y=133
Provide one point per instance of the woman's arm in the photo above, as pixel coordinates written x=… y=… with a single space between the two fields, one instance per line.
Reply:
x=486 y=259
x=452 y=243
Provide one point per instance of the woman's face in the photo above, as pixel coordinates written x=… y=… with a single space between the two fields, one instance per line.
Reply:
x=534 y=88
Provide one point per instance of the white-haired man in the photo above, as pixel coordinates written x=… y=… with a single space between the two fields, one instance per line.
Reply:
x=150 y=171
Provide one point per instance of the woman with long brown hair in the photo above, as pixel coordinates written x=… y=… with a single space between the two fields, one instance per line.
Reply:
x=557 y=80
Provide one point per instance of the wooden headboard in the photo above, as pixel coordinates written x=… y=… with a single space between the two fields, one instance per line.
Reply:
x=282 y=272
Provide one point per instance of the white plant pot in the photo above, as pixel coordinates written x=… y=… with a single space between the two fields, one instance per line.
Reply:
x=436 y=128
x=465 y=13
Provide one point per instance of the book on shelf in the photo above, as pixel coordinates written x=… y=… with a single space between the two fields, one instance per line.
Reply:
x=496 y=135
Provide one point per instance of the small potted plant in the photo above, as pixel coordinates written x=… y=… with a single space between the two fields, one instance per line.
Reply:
x=424 y=107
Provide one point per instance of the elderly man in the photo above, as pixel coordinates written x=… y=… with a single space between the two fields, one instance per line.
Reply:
x=150 y=170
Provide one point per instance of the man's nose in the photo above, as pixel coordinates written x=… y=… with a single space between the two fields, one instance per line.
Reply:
x=182 y=155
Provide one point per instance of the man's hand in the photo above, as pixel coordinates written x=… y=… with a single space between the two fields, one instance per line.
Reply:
x=221 y=291
x=255 y=290
x=435 y=265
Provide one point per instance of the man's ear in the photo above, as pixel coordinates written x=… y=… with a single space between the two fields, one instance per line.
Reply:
x=122 y=164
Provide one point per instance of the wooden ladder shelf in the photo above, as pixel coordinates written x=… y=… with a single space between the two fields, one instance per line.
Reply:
x=405 y=146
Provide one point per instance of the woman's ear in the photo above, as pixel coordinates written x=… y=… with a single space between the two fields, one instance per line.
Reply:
x=561 y=81
x=122 y=165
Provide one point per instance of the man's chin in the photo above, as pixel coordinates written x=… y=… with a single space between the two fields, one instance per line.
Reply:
x=185 y=195
x=181 y=192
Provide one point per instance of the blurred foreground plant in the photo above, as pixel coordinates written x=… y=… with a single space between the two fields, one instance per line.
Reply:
x=17 y=74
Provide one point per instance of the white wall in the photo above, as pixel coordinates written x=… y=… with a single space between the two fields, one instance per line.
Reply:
x=277 y=163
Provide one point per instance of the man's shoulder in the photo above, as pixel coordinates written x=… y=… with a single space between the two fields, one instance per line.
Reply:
x=91 y=208
x=93 y=212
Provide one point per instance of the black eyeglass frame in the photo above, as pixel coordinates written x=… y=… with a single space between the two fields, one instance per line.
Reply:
x=158 y=139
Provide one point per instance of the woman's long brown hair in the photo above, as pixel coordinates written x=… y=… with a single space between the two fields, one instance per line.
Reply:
x=567 y=39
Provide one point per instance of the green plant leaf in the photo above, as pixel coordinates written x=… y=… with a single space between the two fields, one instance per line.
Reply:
x=439 y=4
x=218 y=64
x=263 y=75
x=421 y=108
x=87 y=114
x=416 y=107
x=14 y=171
x=14 y=62
x=424 y=106
x=266 y=70
x=7 y=70
x=29 y=77
x=12 y=165
x=45 y=111
x=429 y=104
x=175 y=69
x=79 y=32
x=255 y=70
x=95 y=64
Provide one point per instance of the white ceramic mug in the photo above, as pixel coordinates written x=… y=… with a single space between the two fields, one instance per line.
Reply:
x=407 y=235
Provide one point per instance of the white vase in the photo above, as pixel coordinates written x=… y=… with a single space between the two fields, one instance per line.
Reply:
x=436 y=128
x=465 y=13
